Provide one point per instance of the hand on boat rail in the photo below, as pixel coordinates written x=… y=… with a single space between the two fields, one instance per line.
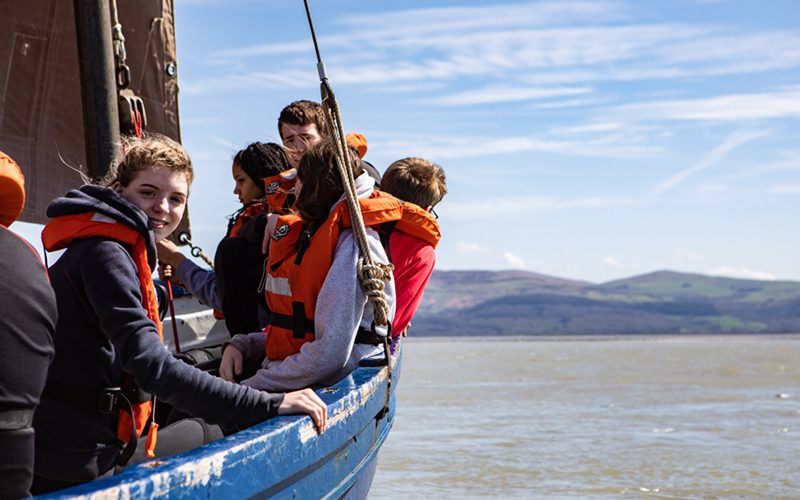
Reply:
x=305 y=401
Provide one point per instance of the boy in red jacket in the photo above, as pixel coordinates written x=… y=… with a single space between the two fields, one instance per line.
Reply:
x=412 y=240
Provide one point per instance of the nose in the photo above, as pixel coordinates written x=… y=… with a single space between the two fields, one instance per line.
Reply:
x=162 y=205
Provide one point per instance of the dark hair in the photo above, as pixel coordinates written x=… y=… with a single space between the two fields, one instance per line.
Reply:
x=303 y=112
x=415 y=180
x=262 y=160
x=321 y=182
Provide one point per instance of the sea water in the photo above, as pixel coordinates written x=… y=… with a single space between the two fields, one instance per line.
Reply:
x=651 y=417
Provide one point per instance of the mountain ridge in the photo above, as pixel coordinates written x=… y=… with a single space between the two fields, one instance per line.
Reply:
x=472 y=302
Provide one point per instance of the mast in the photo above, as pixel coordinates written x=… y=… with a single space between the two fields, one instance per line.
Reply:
x=98 y=84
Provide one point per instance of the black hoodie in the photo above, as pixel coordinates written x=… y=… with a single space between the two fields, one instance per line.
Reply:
x=102 y=331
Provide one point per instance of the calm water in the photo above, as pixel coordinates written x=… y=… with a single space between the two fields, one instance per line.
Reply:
x=702 y=417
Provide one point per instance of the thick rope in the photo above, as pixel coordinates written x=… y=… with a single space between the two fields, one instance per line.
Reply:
x=372 y=276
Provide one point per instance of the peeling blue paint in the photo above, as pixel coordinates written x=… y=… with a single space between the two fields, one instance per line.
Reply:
x=283 y=457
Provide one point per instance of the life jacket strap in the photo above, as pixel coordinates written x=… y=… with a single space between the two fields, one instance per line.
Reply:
x=104 y=400
x=297 y=322
x=368 y=336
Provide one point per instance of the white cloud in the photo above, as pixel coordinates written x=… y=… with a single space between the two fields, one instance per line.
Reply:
x=488 y=208
x=539 y=43
x=505 y=94
x=743 y=273
x=784 y=103
x=630 y=143
x=611 y=262
x=713 y=157
x=465 y=247
x=512 y=260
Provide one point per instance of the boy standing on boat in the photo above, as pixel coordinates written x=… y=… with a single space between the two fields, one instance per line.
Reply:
x=27 y=325
x=411 y=241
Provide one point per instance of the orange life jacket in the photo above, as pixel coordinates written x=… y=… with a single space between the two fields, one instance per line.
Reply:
x=418 y=223
x=295 y=277
x=60 y=232
x=12 y=190
x=279 y=191
x=245 y=214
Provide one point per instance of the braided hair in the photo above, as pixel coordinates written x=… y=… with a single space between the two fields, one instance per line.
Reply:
x=260 y=160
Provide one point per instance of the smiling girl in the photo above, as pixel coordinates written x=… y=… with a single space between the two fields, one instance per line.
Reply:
x=108 y=334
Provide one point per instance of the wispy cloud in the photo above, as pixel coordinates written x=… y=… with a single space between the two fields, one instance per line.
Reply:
x=488 y=208
x=712 y=158
x=510 y=259
x=493 y=95
x=630 y=144
x=780 y=104
x=553 y=43
x=611 y=262
x=742 y=272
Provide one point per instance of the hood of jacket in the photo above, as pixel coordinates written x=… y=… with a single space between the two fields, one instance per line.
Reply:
x=107 y=202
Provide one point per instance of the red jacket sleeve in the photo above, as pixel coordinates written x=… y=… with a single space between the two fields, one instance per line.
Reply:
x=413 y=261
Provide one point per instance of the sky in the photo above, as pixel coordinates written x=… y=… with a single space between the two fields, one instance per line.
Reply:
x=590 y=140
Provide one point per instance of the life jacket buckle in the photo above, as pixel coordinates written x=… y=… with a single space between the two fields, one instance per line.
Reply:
x=108 y=401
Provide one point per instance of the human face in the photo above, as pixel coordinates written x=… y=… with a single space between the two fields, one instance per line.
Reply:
x=244 y=186
x=161 y=194
x=298 y=138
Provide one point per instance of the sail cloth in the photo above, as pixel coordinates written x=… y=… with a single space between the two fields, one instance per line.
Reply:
x=41 y=118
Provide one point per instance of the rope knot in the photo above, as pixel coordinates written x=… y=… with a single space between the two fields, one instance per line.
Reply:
x=373 y=278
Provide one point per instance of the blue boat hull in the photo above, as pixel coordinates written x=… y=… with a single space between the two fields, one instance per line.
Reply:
x=283 y=457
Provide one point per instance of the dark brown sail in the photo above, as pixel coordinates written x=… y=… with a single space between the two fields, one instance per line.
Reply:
x=41 y=112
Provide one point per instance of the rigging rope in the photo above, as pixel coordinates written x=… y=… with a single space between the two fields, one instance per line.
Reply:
x=372 y=275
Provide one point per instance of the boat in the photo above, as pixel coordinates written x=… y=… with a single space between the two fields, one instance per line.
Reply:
x=71 y=86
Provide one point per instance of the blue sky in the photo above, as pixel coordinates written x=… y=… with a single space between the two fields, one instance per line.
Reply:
x=592 y=140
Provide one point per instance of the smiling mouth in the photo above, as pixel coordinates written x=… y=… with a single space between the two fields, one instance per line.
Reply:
x=157 y=223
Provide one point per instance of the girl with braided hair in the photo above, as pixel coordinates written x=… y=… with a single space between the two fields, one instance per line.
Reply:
x=321 y=323
x=232 y=289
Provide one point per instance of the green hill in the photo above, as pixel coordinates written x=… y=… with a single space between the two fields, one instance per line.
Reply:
x=475 y=303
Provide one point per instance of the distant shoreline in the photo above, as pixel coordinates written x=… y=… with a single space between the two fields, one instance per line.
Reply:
x=606 y=337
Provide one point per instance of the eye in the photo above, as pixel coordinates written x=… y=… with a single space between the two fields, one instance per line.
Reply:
x=178 y=200
x=148 y=193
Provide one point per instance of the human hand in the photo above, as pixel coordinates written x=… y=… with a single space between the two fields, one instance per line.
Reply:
x=272 y=221
x=169 y=254
x=305 y=401
x=231 y=364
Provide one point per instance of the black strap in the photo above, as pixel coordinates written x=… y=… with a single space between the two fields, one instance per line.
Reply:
x=104 y=400
x=385 y=233
x=12 y=420
x=369 y=336
x=297 y=322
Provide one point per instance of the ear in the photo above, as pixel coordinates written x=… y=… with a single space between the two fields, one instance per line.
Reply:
x=429 y=208
x=117 y=187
